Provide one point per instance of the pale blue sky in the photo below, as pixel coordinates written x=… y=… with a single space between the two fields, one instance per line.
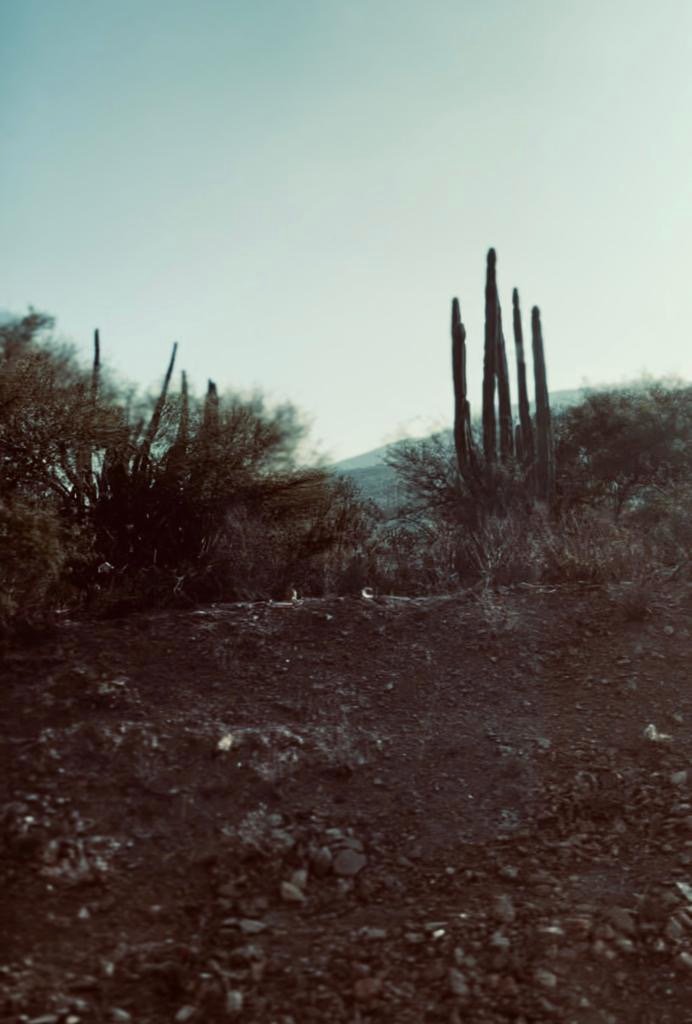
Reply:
x=295 y=189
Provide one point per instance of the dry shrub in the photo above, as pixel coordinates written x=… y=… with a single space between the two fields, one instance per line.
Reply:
x=32 y=558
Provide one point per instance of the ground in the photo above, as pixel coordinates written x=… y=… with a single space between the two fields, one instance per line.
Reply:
x=474 y=807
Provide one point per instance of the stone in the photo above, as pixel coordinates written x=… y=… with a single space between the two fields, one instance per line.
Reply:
x=679 y=778
x=234 y=1001
x=300 y=878
x=674 y=930
x=545 y=978
x=349 y=862
x=684 y=959
x=503 y=908
x=119 y=1015
x=249 y=926
x=458 y=983
x=291 y=893
x=185 y=1013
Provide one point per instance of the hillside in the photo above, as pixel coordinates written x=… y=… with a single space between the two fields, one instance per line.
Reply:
x=441 y=809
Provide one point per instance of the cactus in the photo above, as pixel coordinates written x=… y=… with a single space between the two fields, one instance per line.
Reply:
x=463 y=439
x=524 y=436
x=503 y=394
x=210 y=421
x=545 y=458
x=141 y=461
x=489 y=360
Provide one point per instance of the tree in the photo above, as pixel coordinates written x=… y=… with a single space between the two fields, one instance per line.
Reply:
x=617 y=444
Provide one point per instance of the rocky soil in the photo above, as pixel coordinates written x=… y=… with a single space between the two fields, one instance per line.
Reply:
x=465 y=808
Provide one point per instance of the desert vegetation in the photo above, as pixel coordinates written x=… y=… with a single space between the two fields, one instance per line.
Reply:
x=111 y=499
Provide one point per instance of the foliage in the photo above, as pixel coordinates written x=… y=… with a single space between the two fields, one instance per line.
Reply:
x=32 y=558
x=618 y=444
x=174 y=498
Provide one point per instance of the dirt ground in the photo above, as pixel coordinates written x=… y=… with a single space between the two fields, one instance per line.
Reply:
x=465 y=808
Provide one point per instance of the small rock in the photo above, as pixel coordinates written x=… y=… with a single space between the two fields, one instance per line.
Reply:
x=684 y=959
x=234 y=1001
x=120 y=1015
x=249 y=926
x=457 y=982
x=299 y=878
x=291 y=893
x=372 y=934
x=668 y=630
x=499 y=940
x=503 y=909
x=47 y=1018
x=185 y=1013
x=509 y=871
x=545 y=978
x=679 y=778
x=367 y=988
x=674 y=930
x=349 y=862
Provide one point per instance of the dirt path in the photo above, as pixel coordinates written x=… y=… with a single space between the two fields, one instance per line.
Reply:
x=402 y=810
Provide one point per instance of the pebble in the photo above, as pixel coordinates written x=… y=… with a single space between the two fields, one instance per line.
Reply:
x=545 y=978
x=457 y=982
x=234 y=1001
x=299 y=878
x=349 y=862
x=679 y=778
x=499 y=940
x=120 y=1015
x=503 y=908
x=509 y=871
x=185 y=1013
x=249 y=926
x=291 y=893
x=684 y=959
x=372 y=934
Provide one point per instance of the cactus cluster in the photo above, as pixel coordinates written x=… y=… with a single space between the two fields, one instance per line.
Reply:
x=530 y=444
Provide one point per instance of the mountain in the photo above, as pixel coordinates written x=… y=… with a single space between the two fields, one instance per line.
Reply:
x=375 y=457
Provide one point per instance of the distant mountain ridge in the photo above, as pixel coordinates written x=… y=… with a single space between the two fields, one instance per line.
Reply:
x=375 y=457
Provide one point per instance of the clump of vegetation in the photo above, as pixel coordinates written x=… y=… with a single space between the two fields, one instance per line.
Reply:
x=111 y=500
x=598 y=493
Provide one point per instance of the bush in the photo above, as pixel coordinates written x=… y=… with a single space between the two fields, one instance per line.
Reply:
x=178 y=499
x=617 y=445
x=32 y=558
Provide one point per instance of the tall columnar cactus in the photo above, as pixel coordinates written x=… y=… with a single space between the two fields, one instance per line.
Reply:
x=210 y=419
x=545 y=458
x=525 y=445
x=489 y=363
x=503 y=393
x=463 y=440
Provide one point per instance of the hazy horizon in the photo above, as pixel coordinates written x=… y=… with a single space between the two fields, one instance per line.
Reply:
x=295 y=190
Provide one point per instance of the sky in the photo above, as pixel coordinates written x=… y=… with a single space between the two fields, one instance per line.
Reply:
x=294 y=190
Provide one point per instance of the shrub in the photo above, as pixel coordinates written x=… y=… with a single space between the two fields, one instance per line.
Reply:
x=32 y=558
